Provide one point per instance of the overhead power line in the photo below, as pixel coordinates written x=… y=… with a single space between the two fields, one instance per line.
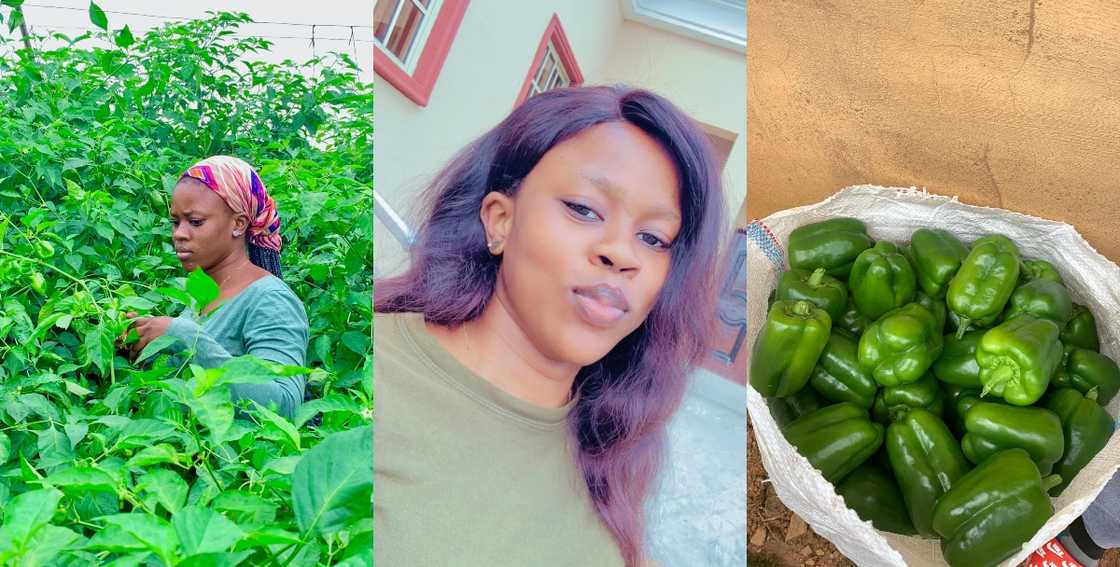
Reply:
x=165 y=17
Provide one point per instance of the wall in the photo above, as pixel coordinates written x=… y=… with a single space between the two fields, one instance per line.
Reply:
x=477 y=87
x=1006 y=104
x=707 y=82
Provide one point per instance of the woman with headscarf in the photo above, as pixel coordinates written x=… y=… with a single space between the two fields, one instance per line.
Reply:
x=225 y=223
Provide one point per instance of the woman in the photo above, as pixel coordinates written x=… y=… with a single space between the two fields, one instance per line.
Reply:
x=225 y=223
x=527 y=362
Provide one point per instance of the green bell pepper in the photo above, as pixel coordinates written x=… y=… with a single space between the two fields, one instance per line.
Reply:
x=791 y=407
x=1084 y=370
x=993 y=510
x=900 y=347
x=1043 y=299
x=926 y=460
x=984 y=282
x=935 y=306
x=892 y=400
x=1018 y=358
x=957 y=401
x=881 y=280
x=957 y=363
x=853 y=321
x=1081 y=330
x=832 y=244
x=835 y=439
x=1032 y=270
x=786 y=351
x=838 y=376
x=937 y=255
x=991 y=428
x=816 y=286
x=1087 y=428
x=875 y=497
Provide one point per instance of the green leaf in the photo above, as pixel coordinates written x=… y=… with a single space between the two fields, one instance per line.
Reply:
x=44 y=547
x=15 y=18
x=215 y=559
x=151 y=532
x=245 y=507
x=357 y=342
x=271 y=420
x=144 y=432
x=124 y=38
x=270 y=535
x=332 y=485
x=155 y=455
x=168 y=487
x=202 y=289
x=54 y=448
x=215 y=411
x=155 y=347
x=202 y=530
x=332 y=403
x=82 y=479
x=25 y=514
x=5 y=449
x=97 y=16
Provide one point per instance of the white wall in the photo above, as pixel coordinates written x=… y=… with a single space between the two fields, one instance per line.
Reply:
x=709 y=83
x=477 y=87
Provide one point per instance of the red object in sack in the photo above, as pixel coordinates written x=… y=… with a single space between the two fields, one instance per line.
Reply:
x=1052 y=554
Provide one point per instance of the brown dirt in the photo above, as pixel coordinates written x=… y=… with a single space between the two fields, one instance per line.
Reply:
x=776 y=537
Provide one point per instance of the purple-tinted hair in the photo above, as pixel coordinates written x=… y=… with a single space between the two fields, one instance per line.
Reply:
x=627 y=397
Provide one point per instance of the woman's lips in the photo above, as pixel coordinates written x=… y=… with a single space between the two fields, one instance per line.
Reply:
x=183 y=254
x=600 y=306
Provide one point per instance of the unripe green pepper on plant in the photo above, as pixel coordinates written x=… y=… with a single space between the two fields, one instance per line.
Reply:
x=816 y=286
x=926 y=460
x=1081 y=330
x=832 y=244
x=1018 y=358
x=835 y=439
x=875 y=497
x=992 y=427
x=1043 y=299
x=900 y=347
x=984 y=282
x=990 y=512
x=838 y=376
x=1084 y=370
x=1087 y=428
x=787 y=349
x=881 y=279
x=937 y=255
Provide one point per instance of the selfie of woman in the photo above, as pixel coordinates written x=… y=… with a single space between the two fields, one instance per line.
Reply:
x=544 y=332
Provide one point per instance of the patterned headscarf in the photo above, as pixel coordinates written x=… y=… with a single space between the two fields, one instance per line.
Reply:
x=238 y=184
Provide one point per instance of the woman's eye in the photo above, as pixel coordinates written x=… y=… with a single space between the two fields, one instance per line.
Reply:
x=196 y=222
x=582 y=211
x=653 y=240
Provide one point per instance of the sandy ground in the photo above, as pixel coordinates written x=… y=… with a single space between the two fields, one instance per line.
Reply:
x=778 y=538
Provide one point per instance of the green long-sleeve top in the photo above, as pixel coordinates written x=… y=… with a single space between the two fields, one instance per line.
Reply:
x=265 y=320
x=467 y=474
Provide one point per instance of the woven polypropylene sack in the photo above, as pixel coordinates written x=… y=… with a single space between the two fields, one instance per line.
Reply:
x=894 y=214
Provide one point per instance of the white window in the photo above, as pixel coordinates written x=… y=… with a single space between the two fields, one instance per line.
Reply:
x=550 y=75
x=400 y=28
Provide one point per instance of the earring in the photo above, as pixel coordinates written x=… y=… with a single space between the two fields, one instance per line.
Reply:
x=495 y=246
x=236 y=233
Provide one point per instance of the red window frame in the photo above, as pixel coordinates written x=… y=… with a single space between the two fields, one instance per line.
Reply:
x=419 y=85
x=554 y=34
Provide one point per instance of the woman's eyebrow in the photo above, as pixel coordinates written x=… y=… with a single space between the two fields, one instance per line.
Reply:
x=615 y=193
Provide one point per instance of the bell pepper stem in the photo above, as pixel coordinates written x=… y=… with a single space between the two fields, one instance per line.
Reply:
x=1091 y=394
x=963 y=327
x=817 y=277
x=802 y=308
x=1051 y=481
x=1000 y=375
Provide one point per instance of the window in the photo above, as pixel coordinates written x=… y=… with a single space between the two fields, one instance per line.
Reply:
x=554 y=65
x=411 y=41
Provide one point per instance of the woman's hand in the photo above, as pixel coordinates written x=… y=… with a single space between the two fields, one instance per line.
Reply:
x=148 y=329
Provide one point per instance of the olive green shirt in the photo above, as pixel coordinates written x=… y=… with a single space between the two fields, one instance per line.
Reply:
x=466 y=474
x=265 y=320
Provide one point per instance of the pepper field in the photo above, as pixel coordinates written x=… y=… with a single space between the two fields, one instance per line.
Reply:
x=105 y=462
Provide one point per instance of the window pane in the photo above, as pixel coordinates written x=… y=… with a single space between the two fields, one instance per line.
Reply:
x=424 y=3
x=545 y=69
x=404 y=31
x=382 y=17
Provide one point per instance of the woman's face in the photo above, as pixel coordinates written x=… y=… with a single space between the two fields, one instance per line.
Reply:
x=202 y=225
x=586 y=240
